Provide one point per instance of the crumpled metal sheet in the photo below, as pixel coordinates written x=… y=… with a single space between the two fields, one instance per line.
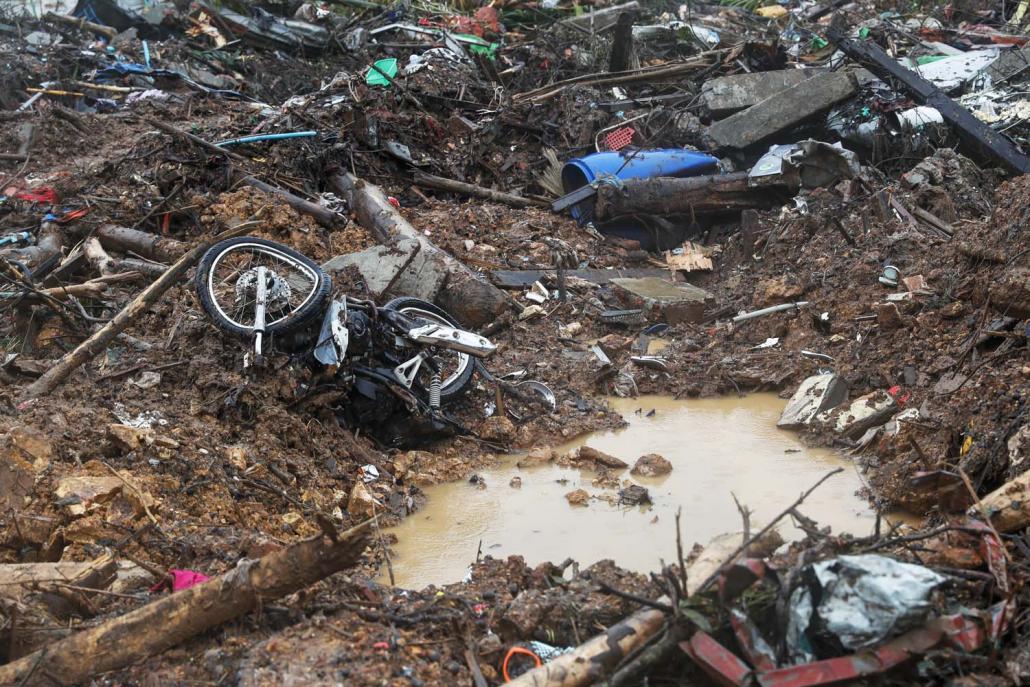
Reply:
x=857 y=602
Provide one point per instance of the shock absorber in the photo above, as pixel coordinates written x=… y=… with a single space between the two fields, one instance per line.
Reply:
x=434 y=391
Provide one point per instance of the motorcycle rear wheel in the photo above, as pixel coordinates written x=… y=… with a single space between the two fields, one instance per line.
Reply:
x=458 y=367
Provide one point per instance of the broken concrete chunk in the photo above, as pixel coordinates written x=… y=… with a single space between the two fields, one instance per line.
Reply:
x=865 y=412
x=669 y=301
x=783 y=111
x=816 y=394
x=651 y=465
x=634 y=495
x=79 y=494
x=379 y=266
x=579 y=497
x=728 y=94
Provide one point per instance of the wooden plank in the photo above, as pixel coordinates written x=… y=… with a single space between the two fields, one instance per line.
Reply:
x=520 y=279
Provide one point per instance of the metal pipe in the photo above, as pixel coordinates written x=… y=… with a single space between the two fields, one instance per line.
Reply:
x=768 y=311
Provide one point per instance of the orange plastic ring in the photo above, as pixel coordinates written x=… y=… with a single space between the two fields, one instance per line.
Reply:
x=518 y=650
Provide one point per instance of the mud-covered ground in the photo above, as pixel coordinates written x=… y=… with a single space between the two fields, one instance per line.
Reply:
x=224 y=465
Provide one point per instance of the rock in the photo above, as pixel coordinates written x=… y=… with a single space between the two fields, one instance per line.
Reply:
x=816 y=394
x=579 y=497
x=131 y=578
x=570 y=330
x=17 y=478
x=779 y=290
x=634 y=495
x=728 y=94
x=612 y=344
x=1010 y=294
x=592 y=455
x=783 y=110
x=651 y=465
x=516 y=482
x=127 y=438
x=293 y=519
x=671 y=302
x=531 y=311
x=79 y=494
x=865 y=412
x=1009 y=505
x=361 y=503
x=538 y=456
x=33 y=444
x=237 y=457
x=888 y=317
x=497 y=428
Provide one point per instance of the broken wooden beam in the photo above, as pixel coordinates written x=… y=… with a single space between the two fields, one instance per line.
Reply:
x=976 y=134
x=663 y=196
x=322 y=215
x=78 y=23
x=433 y=275
x=423 y=179
x=161 y=624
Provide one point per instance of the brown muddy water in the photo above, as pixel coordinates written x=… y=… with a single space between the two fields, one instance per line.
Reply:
x=717 y=447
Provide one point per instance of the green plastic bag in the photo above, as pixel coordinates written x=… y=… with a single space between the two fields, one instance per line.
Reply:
x=375 y=74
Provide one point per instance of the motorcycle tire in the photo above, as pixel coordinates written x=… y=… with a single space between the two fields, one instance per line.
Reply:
x=314 y=301
x=456 y=384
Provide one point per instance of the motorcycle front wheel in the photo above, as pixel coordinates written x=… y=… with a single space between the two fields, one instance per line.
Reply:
x=296 y=288
x=457 y=367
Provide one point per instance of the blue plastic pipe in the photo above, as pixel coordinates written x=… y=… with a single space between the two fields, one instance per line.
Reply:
x=266 y=137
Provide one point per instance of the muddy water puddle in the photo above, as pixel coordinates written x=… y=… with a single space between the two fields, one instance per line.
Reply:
x=716 y=446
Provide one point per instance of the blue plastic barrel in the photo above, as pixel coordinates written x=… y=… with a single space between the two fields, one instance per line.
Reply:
x=632 y=164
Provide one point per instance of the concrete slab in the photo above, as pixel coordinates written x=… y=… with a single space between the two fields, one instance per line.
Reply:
x=816 y=394
x=671 y=302
x=380 y=266
x=784 y=110
x=865 y=412
x=728 y=94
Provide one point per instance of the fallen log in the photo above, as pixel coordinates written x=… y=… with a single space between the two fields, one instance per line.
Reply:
x=649 y=74
x=94 y=288
x=106 y=265
x=709 y=194
x=423 y=179
x=158 y=625
x=322 y=215
x=1008 y=506
x=150 y=246
x=98 y=342
x=81 y=24
x=433 y=274
x=592 y=661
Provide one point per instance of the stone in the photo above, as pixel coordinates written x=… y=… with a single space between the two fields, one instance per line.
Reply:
x=237 y=457
x=865 y=412
x=783 y=110
x=293 y=519
x=671 y=302
x=816 y=394
x=516 y=482
x=127 y=438
x=33 y=444
x=728 y=94
x=1010 y=294
x=361 y=503
x=592 y=455
x=131 y=578
x=379 y=266
x=497 y=428
x=1008 y=506
x=888 y=317
x=87 y=491
x=634 y=495
x=531 y=311
x=779 y=290
x=612 y=344
x=651 y=465
x=17 y=478
x=538 y=456
x=579 y=497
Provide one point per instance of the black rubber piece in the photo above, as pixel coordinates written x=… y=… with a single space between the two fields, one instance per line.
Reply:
x=459 y=386
x=309 y=310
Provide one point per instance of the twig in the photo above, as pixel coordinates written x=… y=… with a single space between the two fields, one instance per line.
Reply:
x=679 y=554
x=608 y=589
x=382 y=544
x=983 y=513
x=758 y=535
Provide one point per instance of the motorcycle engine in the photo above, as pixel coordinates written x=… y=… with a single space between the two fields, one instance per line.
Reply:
x=360 y=329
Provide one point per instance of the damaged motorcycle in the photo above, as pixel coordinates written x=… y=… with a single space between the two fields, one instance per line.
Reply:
x=387 y=368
